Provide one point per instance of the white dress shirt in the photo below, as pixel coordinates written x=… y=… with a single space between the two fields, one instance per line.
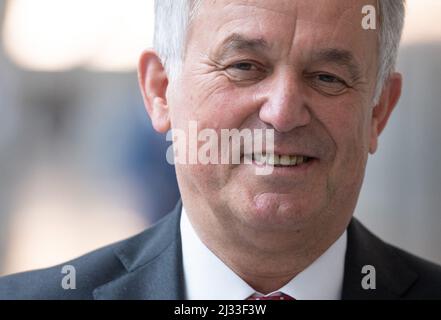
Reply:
x=208 y=278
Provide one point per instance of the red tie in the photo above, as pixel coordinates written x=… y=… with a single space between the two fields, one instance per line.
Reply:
x=274 y=296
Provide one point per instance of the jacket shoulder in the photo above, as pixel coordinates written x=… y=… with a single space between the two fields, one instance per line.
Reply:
x=74 y=279
x=399 y=274
x=92 y=270
x=428 y=283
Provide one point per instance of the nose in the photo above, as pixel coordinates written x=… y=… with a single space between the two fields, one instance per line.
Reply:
x=285 y=108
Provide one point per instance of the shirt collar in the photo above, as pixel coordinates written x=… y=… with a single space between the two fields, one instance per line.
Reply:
x=208 y=278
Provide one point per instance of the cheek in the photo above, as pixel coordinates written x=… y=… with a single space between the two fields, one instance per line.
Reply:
x=349 y=128
x=216 y=103
x=213 y=105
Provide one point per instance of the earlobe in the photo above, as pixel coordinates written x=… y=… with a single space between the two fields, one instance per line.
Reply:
x=373 y=146
x=160 y=115
x=153 y=83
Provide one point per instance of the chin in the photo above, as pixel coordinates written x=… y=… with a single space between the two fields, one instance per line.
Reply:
x=278 y=211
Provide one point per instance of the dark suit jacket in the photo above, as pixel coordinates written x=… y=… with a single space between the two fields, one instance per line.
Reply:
x=149 y=266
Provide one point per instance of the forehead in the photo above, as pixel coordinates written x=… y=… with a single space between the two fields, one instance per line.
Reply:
x=285 y=24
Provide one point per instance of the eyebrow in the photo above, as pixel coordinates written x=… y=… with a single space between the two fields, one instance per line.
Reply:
x=237 y=42
x=341 y=57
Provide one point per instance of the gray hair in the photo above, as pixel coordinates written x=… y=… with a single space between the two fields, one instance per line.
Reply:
x=391 y=23
x=172 y=18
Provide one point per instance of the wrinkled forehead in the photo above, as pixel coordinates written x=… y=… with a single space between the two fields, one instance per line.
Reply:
x=284 y=24
x=327 y=11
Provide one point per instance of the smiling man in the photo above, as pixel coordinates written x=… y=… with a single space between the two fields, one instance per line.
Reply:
x=325 y=86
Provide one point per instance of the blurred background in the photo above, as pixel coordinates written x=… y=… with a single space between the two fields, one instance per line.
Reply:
x=81 y=167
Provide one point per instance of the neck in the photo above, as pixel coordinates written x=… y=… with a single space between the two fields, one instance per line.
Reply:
x=265 y=259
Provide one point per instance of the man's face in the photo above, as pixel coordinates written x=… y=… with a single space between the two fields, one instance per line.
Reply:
x=304 y=68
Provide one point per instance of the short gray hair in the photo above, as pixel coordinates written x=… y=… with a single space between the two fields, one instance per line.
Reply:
x=172 y=18
x=391 y=28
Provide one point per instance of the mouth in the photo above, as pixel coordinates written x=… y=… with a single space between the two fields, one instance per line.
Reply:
x=278 y=160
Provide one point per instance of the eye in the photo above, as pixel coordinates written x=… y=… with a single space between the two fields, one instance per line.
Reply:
x=328 y=84
x=244 y=66
x=328 y=78
x=245 y=71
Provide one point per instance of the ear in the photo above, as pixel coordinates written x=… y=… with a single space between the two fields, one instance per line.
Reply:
x=382 y=111
x=153 y=82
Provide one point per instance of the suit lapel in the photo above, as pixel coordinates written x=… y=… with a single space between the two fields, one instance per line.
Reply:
x=153 y=261
x=393 y=276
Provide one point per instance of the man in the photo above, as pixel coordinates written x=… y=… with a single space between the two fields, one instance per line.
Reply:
x=323 y=81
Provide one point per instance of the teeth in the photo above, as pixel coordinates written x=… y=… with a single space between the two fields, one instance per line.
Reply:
x=285 y=160
x=278 y=160
x=271 y=159
x=293 y=160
